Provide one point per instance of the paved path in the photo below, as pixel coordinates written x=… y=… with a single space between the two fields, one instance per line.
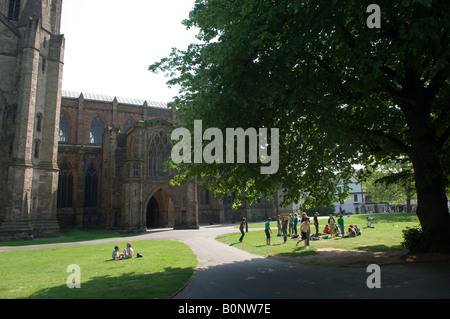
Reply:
x=225 y=272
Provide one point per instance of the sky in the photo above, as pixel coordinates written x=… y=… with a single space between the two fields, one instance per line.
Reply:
x=109 y=45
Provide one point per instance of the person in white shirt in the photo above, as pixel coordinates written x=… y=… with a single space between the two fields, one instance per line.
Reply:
x=128 y=252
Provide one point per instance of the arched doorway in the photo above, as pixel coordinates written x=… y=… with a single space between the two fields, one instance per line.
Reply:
x=152 y=213
x=159 y=210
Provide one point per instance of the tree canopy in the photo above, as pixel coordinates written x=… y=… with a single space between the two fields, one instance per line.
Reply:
x=339 y=92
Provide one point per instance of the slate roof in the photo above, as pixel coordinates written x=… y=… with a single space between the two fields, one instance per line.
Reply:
x=110 y=99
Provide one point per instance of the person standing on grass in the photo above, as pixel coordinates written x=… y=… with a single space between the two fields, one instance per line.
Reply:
x=305 y=218
x=341 y=224
x=332 y=224
x=291 y=225
x=279 y=226
x=267 y=230
x=304 y=229
x=316 y=223
x=284 y=224
x=241 y=228
x=295 y=223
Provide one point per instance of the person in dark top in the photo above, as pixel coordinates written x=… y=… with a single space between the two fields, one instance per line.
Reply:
x=241 y=228
x=316 y=223
x=284 y=225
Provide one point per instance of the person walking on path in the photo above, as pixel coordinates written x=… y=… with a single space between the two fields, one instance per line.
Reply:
x=267 y=230
x=241 y=228
x=341 y=224
x=284 y=224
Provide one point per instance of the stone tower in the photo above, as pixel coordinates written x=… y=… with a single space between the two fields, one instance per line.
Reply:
x=31 y=65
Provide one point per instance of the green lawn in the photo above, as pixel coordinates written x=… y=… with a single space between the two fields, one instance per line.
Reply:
x=42 y=273
x=387 y=235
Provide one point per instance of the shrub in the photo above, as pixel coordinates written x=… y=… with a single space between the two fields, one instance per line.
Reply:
x=418 y=240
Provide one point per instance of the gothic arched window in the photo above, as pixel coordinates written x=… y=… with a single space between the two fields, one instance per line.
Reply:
x=14 y=10
x=159 y=152
x=91 y=187
x=39 y=122
x=128 y=123
x=96 y=132
x=63 y=129
x=65 y=186
x=37 y=148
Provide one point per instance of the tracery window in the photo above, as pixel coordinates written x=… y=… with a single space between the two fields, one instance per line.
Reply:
x=96 y=131
x=63 y=129
x=65 y=186
x=159 y=152
x=202 y=195
x=128 y=123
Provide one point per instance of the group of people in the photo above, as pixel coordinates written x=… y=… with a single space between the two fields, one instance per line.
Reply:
x=293 y=221
x=332 y=228
x=126 y=254
x=282 y=224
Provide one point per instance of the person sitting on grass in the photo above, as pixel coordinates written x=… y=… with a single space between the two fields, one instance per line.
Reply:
x=350 y=232
x=327 y=230
x=357 y=230
x=128 y=252
x=116 y=255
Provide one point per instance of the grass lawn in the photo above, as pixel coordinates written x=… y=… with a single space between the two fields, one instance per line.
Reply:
x=387 y=235
x=42 y=273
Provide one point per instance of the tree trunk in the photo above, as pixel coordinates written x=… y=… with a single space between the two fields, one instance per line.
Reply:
x=432 y=209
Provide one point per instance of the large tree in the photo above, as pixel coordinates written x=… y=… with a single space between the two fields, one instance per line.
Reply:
x=339 y=92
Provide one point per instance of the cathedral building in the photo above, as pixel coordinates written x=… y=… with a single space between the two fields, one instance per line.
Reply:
x=31 y=64
x=82 y=160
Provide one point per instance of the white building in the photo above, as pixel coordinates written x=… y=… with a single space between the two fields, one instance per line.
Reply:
x=358 y=201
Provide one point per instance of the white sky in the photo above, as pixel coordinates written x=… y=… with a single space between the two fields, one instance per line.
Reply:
x=111 y=43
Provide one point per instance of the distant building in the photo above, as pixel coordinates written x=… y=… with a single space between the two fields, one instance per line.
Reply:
x=359 y=202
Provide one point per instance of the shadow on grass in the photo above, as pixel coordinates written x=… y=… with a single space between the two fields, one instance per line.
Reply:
x=381 y=248
x=70 y=236
x=147 y=285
